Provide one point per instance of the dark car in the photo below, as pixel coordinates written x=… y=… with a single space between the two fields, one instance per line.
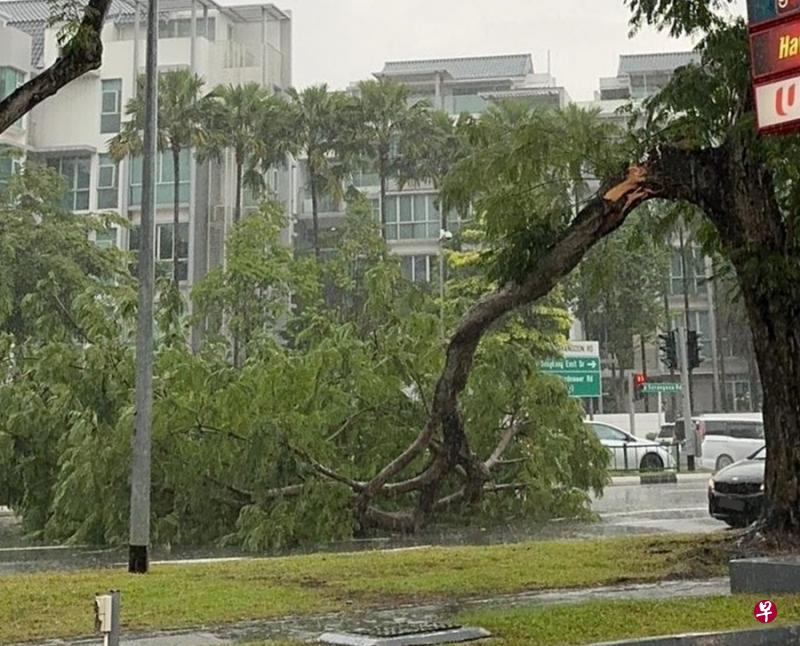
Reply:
x=736 y=493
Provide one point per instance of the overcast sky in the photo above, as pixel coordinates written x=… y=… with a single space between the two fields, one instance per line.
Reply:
x=339 y=41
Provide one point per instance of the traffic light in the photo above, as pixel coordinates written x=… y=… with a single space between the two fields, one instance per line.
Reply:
x=694 y=349
x=639 y=380
x=669 y=349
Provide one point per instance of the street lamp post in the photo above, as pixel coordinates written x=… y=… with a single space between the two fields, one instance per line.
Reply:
x=139 y=540
x=444 y=237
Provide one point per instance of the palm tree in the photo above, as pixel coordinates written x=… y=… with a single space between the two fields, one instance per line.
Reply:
x=256 y=125
x=321 y=134
x=386 y=118
x=432 y=150
x=180 y=127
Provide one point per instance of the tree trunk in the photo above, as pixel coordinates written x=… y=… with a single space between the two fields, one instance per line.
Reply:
x=314 y=212
x=764 y=253
x=237 y=210
x=382 y=164
x=176 y=212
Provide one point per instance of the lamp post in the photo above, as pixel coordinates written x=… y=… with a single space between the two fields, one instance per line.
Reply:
x=139 y=540
x=444 y=237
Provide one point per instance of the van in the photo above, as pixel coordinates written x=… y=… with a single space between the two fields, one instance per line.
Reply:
x=729 y=438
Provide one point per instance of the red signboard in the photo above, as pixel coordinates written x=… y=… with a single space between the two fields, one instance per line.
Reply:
x=774 y=28
x=787 y=6
x=776 y=49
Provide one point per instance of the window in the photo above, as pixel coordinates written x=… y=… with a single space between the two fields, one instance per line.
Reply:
x=10 y=80
x=164 y=180
x=746 y=430
x=607 y=433
x=107 y=238
x=419 y=269
x=111 y=106
x=696 y=279
x=163 y=248
x=107 y=183
x=415 y=217
x=76 y=174
x=9 y=165
x=738 y=396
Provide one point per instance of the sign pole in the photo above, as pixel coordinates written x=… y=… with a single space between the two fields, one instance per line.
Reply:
x=688 y=424
x=631 y=405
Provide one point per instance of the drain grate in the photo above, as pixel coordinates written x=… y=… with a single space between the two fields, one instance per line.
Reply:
x=401 y=630
x=405 y=635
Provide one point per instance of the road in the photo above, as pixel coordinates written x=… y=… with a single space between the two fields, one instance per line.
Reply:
x=626 y=508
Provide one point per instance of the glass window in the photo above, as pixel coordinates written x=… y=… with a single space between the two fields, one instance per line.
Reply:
x=164 y=248
x=418 y=269
x=107 y=238
x=107 y=184
x=738 y=396
x=111 y=105
x=746 y=430
x=9 y=165
x=165 y=186
x=604 y=432
x=75 y=171
x=405 y=213
x=10 y=80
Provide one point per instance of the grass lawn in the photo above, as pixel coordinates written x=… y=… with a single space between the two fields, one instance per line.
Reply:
x=48 y=605
x=592 y=622
x=601 y=621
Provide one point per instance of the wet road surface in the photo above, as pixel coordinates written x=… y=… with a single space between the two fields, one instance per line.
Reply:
x=626 y=508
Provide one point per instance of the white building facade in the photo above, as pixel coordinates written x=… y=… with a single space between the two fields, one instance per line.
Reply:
x=70 y=131
x=456 y=86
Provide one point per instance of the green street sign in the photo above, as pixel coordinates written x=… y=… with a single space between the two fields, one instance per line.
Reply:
x=582 y=374
x=653 y=387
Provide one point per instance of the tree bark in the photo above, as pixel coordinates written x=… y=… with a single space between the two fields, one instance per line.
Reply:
x=314 y=210
x=237 y=211
x=83 y=53
x=176 y=212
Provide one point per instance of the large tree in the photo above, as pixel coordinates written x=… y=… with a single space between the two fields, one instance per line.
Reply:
x=181 y=127
x=700 y=147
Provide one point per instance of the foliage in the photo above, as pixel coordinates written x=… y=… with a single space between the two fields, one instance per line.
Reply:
x=255 y=125
x=521 y=175
x=617 y=289
x=677 y=16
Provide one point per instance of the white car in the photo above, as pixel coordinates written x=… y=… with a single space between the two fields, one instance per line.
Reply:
x=628 y=452
x=729 y=438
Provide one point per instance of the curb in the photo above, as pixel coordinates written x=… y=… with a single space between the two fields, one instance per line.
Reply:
x=755 y=637
x=678 y=477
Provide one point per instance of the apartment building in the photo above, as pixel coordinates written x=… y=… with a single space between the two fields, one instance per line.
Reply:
x=455 y=85
x=726 y=378
x=70 y=131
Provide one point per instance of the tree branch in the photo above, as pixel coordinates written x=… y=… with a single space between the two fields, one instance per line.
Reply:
x=502 y=446
x=83 y=52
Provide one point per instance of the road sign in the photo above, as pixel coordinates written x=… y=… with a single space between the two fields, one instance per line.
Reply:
x=654 y=387
x=582 y=374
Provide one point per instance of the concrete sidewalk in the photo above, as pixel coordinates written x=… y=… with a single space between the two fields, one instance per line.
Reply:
x=308 y=628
